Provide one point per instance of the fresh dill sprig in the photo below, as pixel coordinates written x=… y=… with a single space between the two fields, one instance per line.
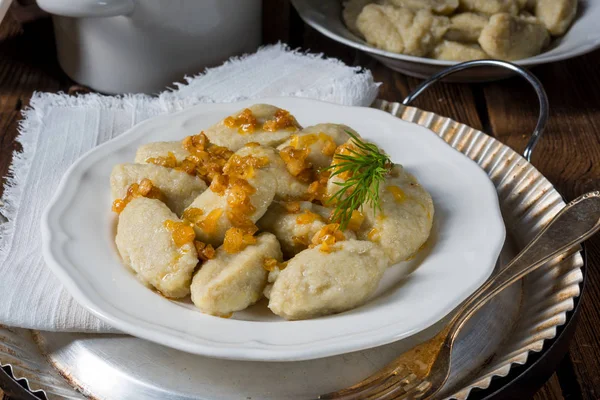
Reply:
x=366 y=167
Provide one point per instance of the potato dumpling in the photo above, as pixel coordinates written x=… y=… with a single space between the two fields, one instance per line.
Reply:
x=179 y=188
x=512 y=38
x=466 y=27
x=295 y=223
x=160 y=149
x=288 y=186
x=212 y=211
x=232 y=282
x=147 y=246
x=401 y=30
x=350 y=13
x=504 y=29
x=320 y=141
x=261 y=123
x=456 y=51
x=404 y=222
x=316 y=283
x=444 y=7
x=556 y=15
x=491 y=7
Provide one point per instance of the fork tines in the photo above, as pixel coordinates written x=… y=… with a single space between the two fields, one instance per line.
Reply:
x=400 y=383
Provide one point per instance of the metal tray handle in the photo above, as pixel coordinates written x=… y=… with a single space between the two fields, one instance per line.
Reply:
x=537 y=86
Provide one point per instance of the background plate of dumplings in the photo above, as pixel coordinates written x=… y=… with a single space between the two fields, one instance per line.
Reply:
x=582 y=37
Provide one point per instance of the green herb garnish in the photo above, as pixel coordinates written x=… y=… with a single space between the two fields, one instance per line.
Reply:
x=367 y=167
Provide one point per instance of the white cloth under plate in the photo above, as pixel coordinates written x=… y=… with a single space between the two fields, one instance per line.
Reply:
x=57 y=129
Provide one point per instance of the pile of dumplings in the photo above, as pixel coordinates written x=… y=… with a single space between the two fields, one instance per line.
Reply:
x=239 y=212
x=460 y=30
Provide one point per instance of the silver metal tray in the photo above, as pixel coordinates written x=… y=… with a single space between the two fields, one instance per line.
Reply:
x=514 y=324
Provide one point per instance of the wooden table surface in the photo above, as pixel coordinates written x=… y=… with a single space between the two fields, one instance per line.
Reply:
x=568 y=154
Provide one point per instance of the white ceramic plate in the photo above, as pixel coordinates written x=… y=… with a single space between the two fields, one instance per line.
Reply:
x=78 y=234
x=326 y=17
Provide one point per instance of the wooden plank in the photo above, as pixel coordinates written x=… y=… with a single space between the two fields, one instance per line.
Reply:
x=27 y=64
x=569 y=156
x=550 y=391
x=276 y=20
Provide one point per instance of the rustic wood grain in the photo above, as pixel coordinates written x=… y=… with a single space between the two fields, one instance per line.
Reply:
x=28 y=63
x=276 y=21
x=550 y=391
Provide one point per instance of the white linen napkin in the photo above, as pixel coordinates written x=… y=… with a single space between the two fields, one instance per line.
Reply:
x=57 y=129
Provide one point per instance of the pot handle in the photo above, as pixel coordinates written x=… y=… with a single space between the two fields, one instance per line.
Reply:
x=87 y=8
x=537 y=86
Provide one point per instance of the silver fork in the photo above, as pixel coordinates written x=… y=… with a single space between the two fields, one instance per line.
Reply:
x=421 y=372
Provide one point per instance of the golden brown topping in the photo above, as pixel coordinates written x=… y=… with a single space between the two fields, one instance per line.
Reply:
x=398 y=193
x=147 y=189
x=271 y=263
x=252 y=144
x=295 y=159
x=205 y=160
x=281 y=120
x=219 y=184
x=196 y=143
x=292 y=207
x=297 y=164
x=236 y=240
x=188 y=165
x=301 y=240
x=211 y=164
x=327 y=236
x=240 y=206
x=307 y=217
x=306 y=176
x=240 y=220
x=329 y=144
x=303 y=141
x=373 y=235
x=169 y=161
x=356 y=220
x=209 y=223
x=238 y=196
x=193 y=215
x=317 y=191
x=346 y=149
x=182 y=232
x=245 y=122
x=205 y=251
x=243 y=166
x=144 y=189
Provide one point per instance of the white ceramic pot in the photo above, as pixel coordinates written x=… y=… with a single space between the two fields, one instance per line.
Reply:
x=130 y=46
